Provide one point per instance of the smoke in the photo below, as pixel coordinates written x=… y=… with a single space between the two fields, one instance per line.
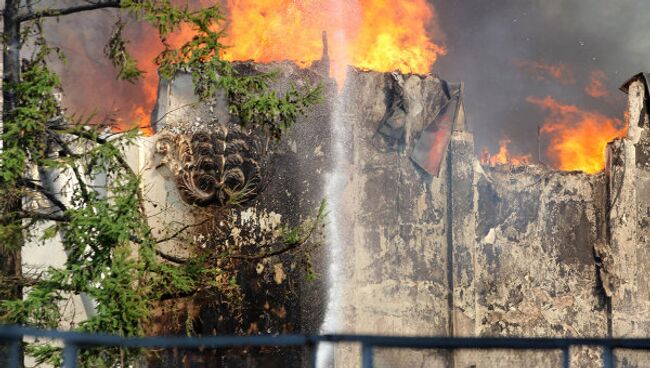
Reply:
x=89 y=79
x=485 y=40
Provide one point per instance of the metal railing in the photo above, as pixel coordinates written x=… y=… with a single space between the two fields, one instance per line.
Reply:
x=73 y=341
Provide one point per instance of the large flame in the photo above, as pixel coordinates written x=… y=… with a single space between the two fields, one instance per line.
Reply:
x=381 y=35
x=578 y=138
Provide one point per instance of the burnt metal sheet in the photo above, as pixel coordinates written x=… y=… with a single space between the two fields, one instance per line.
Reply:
x=430 y=148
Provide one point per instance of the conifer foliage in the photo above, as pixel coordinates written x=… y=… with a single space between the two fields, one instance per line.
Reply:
x=112 y=256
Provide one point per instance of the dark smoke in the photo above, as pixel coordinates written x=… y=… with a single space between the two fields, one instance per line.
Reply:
x=486 y=38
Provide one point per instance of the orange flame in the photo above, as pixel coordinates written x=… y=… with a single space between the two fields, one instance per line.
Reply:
x=503 y=156
x=381 y=35
x=596 y=87
x=540 y=71
x=578 y=138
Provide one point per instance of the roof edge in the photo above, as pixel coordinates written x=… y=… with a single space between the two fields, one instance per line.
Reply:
x=643 y=76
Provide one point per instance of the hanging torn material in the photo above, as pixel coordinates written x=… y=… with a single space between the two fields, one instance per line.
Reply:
x=434 y=139
x=394 y=121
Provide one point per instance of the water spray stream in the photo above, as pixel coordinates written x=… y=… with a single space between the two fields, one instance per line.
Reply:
x=334 y=187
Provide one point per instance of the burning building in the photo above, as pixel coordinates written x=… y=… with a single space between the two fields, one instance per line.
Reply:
x=421 y=239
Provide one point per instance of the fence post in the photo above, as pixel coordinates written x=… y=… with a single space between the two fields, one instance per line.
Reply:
x=69 y=355
x=566 y=357
x=15 y=353
x=608 y=357
x=312 y=352
x=366 y=355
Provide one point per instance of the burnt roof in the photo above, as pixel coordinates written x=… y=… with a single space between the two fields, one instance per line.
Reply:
x=643 y=76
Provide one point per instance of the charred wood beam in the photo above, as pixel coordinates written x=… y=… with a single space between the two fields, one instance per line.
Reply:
x=56 y=12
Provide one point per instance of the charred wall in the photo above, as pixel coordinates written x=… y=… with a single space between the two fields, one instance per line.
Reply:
x=395 y=269
x=473 y=251
x=628 y=172
x=556 y=253
x=536 y=274
x=277 y=296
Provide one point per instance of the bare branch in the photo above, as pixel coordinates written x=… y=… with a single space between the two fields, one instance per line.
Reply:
x=170 y=258
x=68 y=152
x=257 y=257
x=29 y=184
x=180 y=231
x=26 y=15
x=289 y=246
x=37 y=216
x=21 y=281
x=120 y=159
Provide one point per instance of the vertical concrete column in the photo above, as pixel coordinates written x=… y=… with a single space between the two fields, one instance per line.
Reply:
x=462 y=231
x=628 y=175
x=461 y=239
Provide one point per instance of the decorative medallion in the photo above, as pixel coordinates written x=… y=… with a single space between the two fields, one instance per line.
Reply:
x=217 y=167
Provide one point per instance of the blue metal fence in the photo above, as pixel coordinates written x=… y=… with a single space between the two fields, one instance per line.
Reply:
x=73 y=341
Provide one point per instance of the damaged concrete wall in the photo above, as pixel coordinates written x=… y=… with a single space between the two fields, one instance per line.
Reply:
x=395 y=269
x=536 y=274
x=277 y=296
x=556 y=253
x=628 y=171
x=505 y=251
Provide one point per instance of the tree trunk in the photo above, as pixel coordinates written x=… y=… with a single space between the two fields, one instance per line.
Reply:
x=10 y=254
x=10 y=265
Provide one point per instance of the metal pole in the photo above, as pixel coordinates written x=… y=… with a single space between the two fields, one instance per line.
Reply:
x=566 y=358
x=312 y=351
x=608 y=357
x=69 y=355
x=366 y=355
x=14 y=353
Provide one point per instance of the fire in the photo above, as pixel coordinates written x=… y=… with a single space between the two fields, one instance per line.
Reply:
x=540 y=71
x=135 y=111
x=503 y=156
x=381 y=35
x=578 y=138
x=596 y=87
